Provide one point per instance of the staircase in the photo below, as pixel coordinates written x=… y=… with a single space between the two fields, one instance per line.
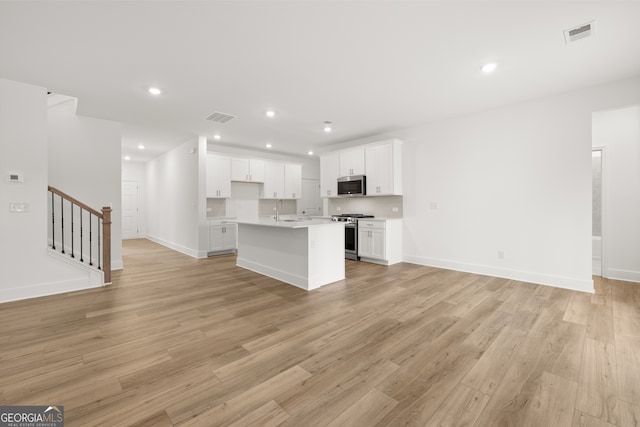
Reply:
x=80 y=233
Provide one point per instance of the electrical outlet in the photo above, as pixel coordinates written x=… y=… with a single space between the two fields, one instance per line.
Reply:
x=433 y=206
x=394 y=209
x=209 y=210
x=338 y=208
x=500 y=254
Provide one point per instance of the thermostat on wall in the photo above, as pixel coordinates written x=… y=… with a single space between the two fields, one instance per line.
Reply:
x=15 y=177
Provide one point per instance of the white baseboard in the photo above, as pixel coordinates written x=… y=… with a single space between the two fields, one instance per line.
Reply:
x=45 y=289
x=117 y=265
x=176 y=247
x=626 y=275
x=274 y=273
x=522 y=276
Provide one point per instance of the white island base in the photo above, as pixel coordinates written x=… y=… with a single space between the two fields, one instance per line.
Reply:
x=306 y=254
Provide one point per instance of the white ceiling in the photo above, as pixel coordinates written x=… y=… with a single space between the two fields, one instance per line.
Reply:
x=367 y=66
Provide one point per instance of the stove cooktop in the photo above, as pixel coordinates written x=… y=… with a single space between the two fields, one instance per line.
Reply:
x=353 y=216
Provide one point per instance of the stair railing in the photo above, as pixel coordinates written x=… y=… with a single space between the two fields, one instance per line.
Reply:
x=81 y=247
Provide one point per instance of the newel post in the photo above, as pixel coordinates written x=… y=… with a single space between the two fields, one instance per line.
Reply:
x=106 y=250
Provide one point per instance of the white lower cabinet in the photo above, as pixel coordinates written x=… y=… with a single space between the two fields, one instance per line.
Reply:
x=223 y=237
x=371 y=243
x=380 y=240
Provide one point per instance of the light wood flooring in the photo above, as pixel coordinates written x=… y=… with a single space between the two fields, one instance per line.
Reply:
x=180 y=341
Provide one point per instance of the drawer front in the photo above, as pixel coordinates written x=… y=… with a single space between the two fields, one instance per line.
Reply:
x=368 y=223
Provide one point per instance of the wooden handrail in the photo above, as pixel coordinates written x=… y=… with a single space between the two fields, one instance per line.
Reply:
x=106 y=248
x=75 y=201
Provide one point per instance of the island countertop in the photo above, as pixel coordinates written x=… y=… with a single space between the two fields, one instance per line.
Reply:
x=283 y=223
x=304 y=253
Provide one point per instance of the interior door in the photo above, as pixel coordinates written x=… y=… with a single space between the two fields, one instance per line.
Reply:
x=129 y=209
x=311 y=202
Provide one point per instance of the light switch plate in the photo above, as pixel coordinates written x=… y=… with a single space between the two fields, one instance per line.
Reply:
x=15 y=177
x=18 y=207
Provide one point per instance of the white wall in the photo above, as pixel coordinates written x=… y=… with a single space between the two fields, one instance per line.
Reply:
x=136 y=171
x=618 y=131
x=173 y=201
x=84 y=162
x=26 y=268
x=517 y=180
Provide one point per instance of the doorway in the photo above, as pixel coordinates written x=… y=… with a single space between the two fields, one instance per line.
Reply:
x=310 y=203
x=596 y=211
x=129 y=209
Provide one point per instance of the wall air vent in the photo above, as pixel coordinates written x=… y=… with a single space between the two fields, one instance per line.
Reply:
x=580 y=32
x=219 y=117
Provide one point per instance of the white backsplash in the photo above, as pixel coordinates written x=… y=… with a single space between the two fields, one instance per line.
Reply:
x=245 y=202
x=216 y=207
x=380 y=206
x=286 y=207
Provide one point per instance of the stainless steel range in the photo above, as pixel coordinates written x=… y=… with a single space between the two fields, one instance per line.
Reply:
x=350 y=233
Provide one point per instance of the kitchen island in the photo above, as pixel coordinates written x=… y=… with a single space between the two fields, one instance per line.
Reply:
x=306 y=253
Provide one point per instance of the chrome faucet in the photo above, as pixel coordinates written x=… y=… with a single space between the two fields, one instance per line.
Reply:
x=277 y=212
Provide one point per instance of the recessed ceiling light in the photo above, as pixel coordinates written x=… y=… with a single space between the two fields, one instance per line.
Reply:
x=127 y=158
x=270 y=113
x=310 y=153
x=154 y=91
x=140 y=147
x=216 y=136
x=269 y=146
x=488 y=68
x=327 y=126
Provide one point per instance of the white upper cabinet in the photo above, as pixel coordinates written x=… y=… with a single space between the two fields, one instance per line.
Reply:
x=352 y=162
x=383 y=168
x=292 y=181
x=329 y=174
x=273 y=180
x=380 y=162
x=218 y=176
x=282 y=180
x=247 y=170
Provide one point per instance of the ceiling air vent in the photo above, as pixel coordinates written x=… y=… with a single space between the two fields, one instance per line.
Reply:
x=219 y=117
x=580 y=32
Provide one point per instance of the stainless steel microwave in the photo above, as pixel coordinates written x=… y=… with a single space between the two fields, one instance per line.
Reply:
x=352 y=185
